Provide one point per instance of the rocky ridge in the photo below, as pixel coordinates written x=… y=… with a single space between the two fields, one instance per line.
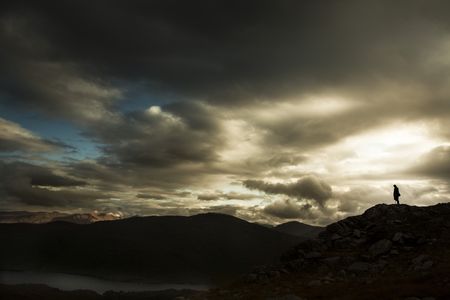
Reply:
x=387 y=248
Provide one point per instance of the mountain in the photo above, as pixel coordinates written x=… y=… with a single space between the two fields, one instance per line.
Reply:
x=388 y=252
x=38 y=291
x=299 y=229
x=47 y=217
x=201 y=248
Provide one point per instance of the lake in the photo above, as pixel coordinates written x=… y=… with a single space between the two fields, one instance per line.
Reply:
x=69 y=282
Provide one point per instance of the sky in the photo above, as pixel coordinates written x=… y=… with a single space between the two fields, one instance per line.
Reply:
x=270 y=111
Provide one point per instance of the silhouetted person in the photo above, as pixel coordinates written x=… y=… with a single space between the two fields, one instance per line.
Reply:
x=396 y=194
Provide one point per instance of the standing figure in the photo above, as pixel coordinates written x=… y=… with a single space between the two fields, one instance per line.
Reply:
x=396 y=194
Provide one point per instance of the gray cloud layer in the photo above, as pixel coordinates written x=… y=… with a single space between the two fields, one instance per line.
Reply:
x=308 y=187
x=254 y=89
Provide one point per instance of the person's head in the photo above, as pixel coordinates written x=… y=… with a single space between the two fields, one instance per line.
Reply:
x=395 y=185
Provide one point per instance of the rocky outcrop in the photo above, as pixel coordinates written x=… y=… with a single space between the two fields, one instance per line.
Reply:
x=395 y=242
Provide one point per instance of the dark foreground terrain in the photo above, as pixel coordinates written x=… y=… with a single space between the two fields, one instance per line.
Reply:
x=38 y=292
x=207 y=248
x=389 y=252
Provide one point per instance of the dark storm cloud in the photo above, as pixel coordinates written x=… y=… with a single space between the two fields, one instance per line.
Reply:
x=268 y=50
x=212 y=63
x=288 y=209
x=160 y=138
x=435 y=164
x=36 y=175
x=308 y=187
x=34 y=185
x=67 y=56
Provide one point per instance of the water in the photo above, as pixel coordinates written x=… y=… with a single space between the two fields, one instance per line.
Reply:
x=70 y=282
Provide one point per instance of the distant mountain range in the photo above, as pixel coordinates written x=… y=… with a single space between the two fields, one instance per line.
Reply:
x=47 y=217
x=201 y=248
x=299 y=229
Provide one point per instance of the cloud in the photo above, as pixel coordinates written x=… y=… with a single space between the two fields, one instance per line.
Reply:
x=269 y=51
x=40 y=186
x=13 y=137
x=307 y=187
x=151 y=196
x=159 y=136
x=37 y=175
x=209 y=197
x=435 y=163
x=175 y=104
x=289 y=209
x=226 y=196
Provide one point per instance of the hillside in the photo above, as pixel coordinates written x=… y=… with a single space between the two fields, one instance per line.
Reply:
x=389 y=252
x=299 y=229
x=202 y=248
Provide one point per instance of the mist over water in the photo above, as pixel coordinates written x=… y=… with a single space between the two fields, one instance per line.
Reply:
x=69 y=282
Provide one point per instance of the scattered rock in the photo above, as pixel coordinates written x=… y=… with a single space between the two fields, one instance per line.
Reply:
x=312 y=255
x=420 y=259
x=331 y=260
x=381 y=247
x=359 y=266
x=285 y=297
x=426 y=265
x=315 y=282
x=335 y=236
x=398 y=237
x=251 y=277
x=357 y=233
x=422 y=262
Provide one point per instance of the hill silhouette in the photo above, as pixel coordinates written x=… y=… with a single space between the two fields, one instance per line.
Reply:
x=299 y=229
x=388 y=252
x=202 y=248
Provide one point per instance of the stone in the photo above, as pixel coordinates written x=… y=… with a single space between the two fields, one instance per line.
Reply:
x=331 y=260
x=251 y=277
x=359 y=266
x=315 y=282
x=426 y=265
x=422 y=262
x=420 y=259
x=285 y=297
x=421 y=241
x=356 y=233
x=381 y=247
x=335 y=236
x=313 y=254
x=274 y=274
x=398 y=237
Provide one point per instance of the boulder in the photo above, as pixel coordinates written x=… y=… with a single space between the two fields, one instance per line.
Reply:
x=381 y=247
x=398 y=237
x=359 y=266
x=285 y=297
x=313 y=255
